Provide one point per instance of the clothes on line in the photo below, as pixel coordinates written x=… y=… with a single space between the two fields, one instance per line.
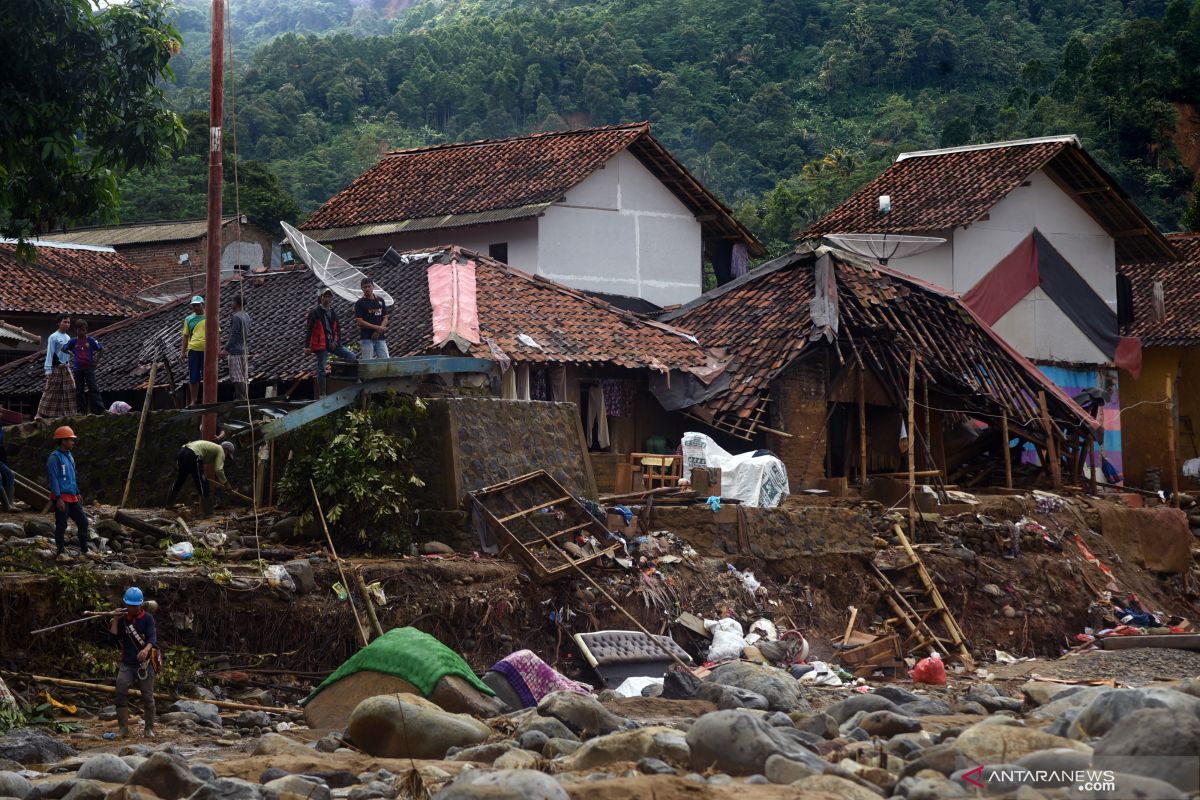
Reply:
x=597 y=418
x=618 y=397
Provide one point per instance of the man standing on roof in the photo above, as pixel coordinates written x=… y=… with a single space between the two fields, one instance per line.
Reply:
x=83 y=350
x=235 y=352
x=191 y=349
x=134 y=632
x=323 y=336
x=371 y=314
x=191 y=461
x=64 y=492
x=58 y=398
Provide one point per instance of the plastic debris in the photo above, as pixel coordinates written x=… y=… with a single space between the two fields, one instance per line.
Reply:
x=181 y=550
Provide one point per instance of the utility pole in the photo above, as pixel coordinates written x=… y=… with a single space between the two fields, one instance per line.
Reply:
x=212 y=263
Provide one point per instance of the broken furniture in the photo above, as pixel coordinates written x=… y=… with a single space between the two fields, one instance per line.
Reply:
x=617 y=655
x=536 y=520
x=657 y=470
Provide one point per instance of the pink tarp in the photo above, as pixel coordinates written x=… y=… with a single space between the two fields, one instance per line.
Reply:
x=452 y=297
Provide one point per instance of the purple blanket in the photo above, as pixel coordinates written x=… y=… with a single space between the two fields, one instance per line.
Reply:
x=532 y=679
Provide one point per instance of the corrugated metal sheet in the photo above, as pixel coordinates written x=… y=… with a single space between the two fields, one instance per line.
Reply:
x=137 y=233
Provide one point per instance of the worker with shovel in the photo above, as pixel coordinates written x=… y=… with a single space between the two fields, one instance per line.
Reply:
x=192 y=459
x=64 y=492
x=135 y=634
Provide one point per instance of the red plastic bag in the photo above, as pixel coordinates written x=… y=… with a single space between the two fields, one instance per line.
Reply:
x=930 y=670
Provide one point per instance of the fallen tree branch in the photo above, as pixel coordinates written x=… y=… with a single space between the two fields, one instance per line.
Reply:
x=105 y=688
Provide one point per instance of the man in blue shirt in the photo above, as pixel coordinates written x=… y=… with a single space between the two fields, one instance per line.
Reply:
x=135 y=633
x=64 y=490
x=58 y=398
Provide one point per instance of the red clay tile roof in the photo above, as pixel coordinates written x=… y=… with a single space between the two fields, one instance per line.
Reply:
x=1181 y=296
x=570 y=326
x=938 y=190
x=70 y=280
x=762 y=320
x=493 y=179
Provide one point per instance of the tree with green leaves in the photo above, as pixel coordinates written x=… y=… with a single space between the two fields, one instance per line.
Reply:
x=83 y=104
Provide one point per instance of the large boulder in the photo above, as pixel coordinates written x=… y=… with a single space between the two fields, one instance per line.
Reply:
x=406 y=726
x=207 y=713
x=274 y=744
x=582 y=713
x=782 y=691
x=105 y=767
x=1110 y=707
x=27 y=746
x=726 y=697
x=991 y=742
x=14 y=785
x=294 y=787
x=332 y=707
x=666 y=744
x=739 y=743
x=1160 y=743
x=845 y=709
x=167 y=775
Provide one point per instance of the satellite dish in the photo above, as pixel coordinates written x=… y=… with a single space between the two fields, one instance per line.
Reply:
x=883 y=246
x=342 y=277
x=167 y=291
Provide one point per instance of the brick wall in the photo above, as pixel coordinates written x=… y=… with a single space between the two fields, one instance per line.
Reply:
x=160 y=260
x=800 y=409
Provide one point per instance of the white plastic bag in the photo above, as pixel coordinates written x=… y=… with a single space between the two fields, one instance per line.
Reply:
x=820 y=675
x=632 y=687
x=756 y=481
x=278 y=576
x=728 y=639
x=181 y=550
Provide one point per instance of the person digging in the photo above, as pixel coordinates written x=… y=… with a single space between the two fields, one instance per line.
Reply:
x=191 y=462
x=135 y=635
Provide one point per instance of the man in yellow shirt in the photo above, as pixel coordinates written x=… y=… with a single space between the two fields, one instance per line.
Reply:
x=191 y=461
x=192 y=348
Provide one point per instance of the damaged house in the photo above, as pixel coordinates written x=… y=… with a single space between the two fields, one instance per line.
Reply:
x=819 y=345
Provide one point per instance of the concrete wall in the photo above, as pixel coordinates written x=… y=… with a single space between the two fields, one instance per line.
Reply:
x=1144 y=416
x=622 y=231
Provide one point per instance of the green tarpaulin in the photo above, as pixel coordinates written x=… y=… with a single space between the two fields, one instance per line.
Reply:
x=410 y=654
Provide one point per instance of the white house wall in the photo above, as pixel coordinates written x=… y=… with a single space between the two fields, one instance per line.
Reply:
x=621 y=231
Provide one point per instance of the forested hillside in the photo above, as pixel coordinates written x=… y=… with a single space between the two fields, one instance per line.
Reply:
x=783 y=107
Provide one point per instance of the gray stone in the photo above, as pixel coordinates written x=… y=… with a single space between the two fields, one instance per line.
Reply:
x=842 y=788
x=271 y=773
x=659 y=742
x=55 y=791
x=436 y=548
x=371 y=791
x=86 y=790
x=518 y=759
x=888 y=723
x=969 y=707
x=1158 y=743
x=903 y=747
x=166 y=775
x=720 y=779
x=1129 y=787
x=105 y=767
x=293 y=787
x=855 y=703
x=27 y=746
x=897 y=695
x=329 y=743
x=1073 y=697
x=654 y=766
x=483 y=753
x=229 y=789
x=253 y=719
x=990 y=742
x=11 y=530
x=207 y=712
x=819 y=724
x=727 y=697
x=302 y=575
x=757 y=779
x=204 y=772
x=512 y=784
x=994 y=702
x=1057 y=760
x=941 y=758
x=1109 y=708
x=533 y=740
x=13 y=785
x=560 y=747
x=547 y=725
x=925 y=708
x=134 y=761
x=782 y=691
x=934 y=789
x=1061 y=725
x=391 y=727
x=178 y=718
x=780 y=720
x=582 y=713
x=783 y=770
x=740 y=743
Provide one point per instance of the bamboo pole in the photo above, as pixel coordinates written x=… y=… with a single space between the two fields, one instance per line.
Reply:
x=88 y=616
x=1008 y=484
x=349 y=590
x=1171 y=466
x=137 y=442
x=101 y=687
x=862 y=426
x=912 y=440
x=366 y=596
x=1051 y=446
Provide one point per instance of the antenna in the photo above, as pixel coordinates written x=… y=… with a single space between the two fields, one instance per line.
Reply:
x=883 y=246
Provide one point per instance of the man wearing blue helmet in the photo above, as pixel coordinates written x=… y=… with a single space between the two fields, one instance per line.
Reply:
x=134 y=633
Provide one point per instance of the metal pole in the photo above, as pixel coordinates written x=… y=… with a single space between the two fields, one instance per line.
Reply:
x=1171 y=465
x=212 y=264
x=912 y=442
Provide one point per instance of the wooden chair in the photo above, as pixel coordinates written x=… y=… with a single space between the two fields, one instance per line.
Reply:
x=657 y=470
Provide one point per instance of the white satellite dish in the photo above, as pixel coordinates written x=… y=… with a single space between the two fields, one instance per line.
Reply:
x=883 y=246
x=167 y=291
x=337 y=273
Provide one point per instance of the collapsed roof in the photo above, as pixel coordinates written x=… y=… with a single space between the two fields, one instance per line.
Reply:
x=1179 y=323
x=866 y=315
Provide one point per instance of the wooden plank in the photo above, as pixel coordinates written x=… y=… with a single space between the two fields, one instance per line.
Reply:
x=373 y=369
x=538 y=507
x=1008 y=484
x=587 y=460
x=912 y=445
x=862 y=424
x=1051 y=446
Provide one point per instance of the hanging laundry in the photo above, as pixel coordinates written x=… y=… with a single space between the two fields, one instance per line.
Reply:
x=597 y=419
x=618 y=397
x=539 y=387
x=522 y=381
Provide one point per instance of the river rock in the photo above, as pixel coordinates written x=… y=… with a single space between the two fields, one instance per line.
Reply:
x=888 y=723
x=990 y=743
x=550 y=726
x=167 y=776
x=1055 y=761
x=1109 y=708
x=86 y=790
x=897 y=694
x=726 y=697
x=207 y=713
x=274 y=744
x=533 y=740
x=128 y=792
x=294 y=787
x=934 y=789
x=38 y=527
x=13 y=785
x=510 y=784
x=666 y=744
x=783 y=770
x=518 y=759
x=782 y=691
x=842 y=788
x=560 y=747
x=819 y=724
x=1129 y=787
x=11 y=530
x=1159 y=743
x=253 y=719
x=925 y=708
x=483 y=753
x=855 y=703
x=105 y=767
x=740 y=743
x=1073 y=697
x=392 y=726
x=228 y=789
x=582 y=713
x=28 y=746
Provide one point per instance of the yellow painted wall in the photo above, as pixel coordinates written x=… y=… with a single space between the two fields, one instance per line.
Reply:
x=1144 y=426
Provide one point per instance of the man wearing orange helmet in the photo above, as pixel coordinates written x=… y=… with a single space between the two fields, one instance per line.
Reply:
x=64 y=490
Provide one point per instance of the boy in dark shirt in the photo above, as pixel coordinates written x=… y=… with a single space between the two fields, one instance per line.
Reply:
x=135 y=634
x=83 y=350
x=371 y=314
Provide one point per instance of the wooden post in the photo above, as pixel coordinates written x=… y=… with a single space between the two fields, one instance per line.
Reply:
x=1007 y=449
x=370 y=606
x=926 y=434
x=1051 y=447
x=332 y=552
x=1091 y=468
x=1171 y=466
x=1100 y=440
x=912 y=441
x=862 y=426
x=137 y=442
